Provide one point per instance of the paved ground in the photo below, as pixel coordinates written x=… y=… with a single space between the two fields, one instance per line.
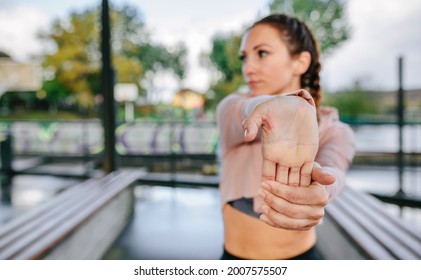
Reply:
x=28 y=191
x=172 y=224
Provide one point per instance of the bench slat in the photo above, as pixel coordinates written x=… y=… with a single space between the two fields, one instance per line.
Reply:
x=363 y=221
x=48 y=241
x=376 y=206
x=349 y=227
x=41 y=209
x=374 y=227
x=42 y=217
x=395 y=235
x=34 y=233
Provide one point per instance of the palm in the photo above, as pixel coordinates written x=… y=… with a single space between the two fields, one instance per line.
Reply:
x=289 y=138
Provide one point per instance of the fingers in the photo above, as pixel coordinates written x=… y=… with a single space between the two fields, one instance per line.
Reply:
x=282 y=174
x=268 y=170
x=321 y=176
x=305 y=174
x=284 y=212
x=291 y=210
x=306 y=95
x=294 y=176
x=251 y=126
x=265 y=219
x=279 y=220
x=315 y=194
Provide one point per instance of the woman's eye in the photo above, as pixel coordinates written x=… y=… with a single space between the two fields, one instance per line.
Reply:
x=262 y=53
x=242 y=57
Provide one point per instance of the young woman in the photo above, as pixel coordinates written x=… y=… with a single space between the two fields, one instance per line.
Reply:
x=283 y=157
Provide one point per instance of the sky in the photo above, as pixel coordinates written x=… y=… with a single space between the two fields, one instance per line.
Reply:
x=381 y=31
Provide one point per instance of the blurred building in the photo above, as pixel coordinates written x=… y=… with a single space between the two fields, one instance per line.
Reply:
x=16 y=81
x=190 y=101
x=18 y=77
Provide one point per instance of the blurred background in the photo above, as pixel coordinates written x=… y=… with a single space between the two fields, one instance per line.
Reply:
x=171 y=63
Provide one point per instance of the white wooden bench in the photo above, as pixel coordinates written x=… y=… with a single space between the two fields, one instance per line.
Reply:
x=357 y=226
x=79 y=223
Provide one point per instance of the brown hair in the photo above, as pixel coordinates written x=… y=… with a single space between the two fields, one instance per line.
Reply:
x=299 y=38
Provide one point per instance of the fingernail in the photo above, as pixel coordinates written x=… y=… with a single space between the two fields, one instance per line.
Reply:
x=245 y=132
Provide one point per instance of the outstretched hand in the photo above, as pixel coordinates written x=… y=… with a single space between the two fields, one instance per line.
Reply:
x=290 y=137
x=294 y=188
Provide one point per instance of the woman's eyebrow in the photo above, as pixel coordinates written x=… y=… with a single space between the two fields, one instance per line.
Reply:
x=243 y=52
x=261 y=45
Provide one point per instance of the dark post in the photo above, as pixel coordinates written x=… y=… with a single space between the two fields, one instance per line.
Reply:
x=108 y=110
x=6 y=155
x=401 y=122
x=173 y=149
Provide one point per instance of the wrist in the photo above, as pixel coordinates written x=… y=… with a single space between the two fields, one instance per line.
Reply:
x=253 y=102
x=303 y=94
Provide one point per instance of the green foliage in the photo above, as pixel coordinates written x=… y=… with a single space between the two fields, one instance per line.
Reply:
x=224 y=55
x=324 y=17
x=56 y=91
x=223 y=58
x=352 y=103
x=156 y=58
x=75 y=66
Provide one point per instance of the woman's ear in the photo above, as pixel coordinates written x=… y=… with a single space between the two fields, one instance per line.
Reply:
x=302 y=62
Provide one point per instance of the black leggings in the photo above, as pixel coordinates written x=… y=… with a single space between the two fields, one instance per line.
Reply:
x=311 y=254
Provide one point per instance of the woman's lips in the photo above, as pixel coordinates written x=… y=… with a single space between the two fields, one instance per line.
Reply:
x=253 y=83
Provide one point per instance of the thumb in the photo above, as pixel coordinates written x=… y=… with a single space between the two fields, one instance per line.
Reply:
x=321 y=176
x=251 y=126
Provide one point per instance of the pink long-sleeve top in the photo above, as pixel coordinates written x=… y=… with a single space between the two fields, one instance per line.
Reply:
x=241 y=168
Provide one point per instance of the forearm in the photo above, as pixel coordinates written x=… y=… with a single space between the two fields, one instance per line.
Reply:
x=335 y=156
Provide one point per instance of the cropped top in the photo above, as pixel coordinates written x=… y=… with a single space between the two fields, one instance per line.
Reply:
x=241 y=162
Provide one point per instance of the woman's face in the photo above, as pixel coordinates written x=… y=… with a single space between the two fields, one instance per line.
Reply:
x=268 y=67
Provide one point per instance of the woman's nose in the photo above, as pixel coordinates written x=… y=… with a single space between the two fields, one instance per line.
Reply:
x=249 y=67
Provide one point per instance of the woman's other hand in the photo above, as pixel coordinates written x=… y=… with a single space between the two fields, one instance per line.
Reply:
x=296 y=207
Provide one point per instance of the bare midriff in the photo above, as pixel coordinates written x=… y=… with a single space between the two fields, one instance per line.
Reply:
x=249 y=238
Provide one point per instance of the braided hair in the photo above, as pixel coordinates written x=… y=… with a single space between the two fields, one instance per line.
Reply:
x=298 y=38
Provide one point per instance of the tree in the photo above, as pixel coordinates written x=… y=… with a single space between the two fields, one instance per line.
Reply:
x=224 y=60
x=325 y=18
x=353 y=103
x=75 y=64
